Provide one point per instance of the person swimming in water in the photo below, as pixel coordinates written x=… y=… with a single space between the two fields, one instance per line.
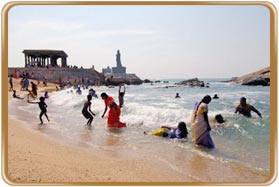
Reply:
x=245 y=108
x=86 y=110
x=177 y=95
x=217 y=121
x=215 y=97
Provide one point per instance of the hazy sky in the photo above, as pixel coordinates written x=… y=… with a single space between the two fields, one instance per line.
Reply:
x=158 y=42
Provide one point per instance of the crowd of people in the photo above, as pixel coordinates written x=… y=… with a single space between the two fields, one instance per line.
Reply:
x=200 y=123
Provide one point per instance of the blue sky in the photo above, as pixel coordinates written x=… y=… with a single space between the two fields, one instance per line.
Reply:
x=155 y=42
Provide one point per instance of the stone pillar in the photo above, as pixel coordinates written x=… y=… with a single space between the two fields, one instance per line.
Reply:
x=48 y=61
x=44 y=62
x=29 y=61
x=25 y=58
x=53 y=61
x=39 y=61
x=64 y=62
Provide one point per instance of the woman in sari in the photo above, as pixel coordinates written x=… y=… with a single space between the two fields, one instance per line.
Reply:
x=200 y=125
x=114 y=112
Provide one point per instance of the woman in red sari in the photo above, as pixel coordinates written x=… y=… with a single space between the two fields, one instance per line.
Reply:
x=114 y=112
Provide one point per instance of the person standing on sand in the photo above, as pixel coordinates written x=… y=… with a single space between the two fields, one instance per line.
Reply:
x=43 y=107
x=45 y=81
x=26 y=83
x=15 y=74
x=114 y=112
x=11 y=83
x=34 y=88
x=22 y=83
x=200 y=124
x=86 y=110
x=121 y=96
x=245 y=108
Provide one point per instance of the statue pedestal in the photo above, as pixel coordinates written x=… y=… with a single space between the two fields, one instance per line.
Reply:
x=119 y=72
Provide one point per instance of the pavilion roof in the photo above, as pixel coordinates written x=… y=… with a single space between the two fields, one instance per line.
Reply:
x=44 y=52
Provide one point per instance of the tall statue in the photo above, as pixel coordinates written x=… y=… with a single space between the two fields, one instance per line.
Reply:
x=118 y=61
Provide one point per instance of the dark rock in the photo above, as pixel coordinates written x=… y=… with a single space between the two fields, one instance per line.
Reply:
x=195 y=82
x=147 y=81
x=255 y=82
x=261 y=77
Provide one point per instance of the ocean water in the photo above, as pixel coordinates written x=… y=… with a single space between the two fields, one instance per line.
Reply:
x=241 y=141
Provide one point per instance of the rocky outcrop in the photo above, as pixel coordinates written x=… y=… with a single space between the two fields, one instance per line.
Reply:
x=131 y=79
x=195 y=82
x=261 y=77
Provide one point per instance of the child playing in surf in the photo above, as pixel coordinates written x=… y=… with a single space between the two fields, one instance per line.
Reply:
x=42 y=106
x=86 y=110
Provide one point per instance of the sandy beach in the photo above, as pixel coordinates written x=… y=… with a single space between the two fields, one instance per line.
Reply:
x=34 y=157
